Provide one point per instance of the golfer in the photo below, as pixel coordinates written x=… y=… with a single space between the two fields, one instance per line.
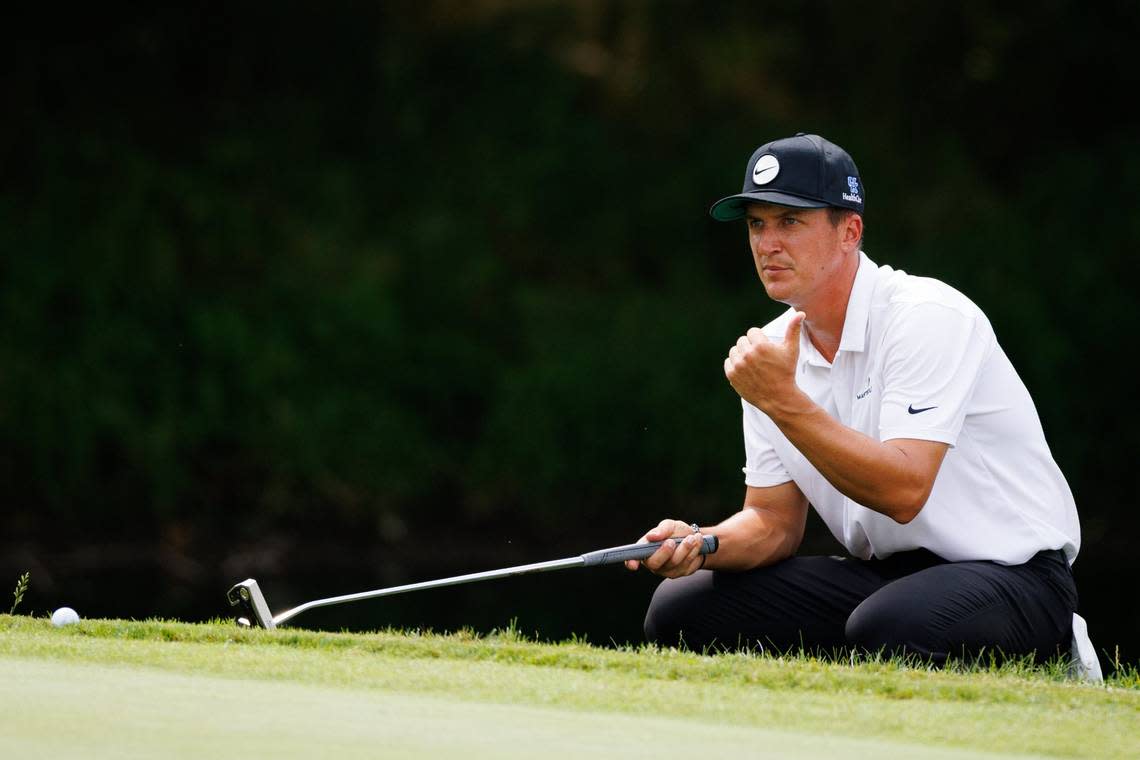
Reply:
x=884 y=401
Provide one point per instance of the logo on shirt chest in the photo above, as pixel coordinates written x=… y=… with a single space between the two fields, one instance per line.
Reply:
x=864 y=394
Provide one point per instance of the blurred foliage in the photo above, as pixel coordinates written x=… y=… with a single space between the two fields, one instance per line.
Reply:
x=432 y=267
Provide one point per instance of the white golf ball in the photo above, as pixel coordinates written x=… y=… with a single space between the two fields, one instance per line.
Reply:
x=64 y=616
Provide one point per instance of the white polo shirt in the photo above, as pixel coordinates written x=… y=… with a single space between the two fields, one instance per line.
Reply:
x=918 y=359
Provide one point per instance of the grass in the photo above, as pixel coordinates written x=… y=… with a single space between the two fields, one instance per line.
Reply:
x=20 y=590
x=178 y=687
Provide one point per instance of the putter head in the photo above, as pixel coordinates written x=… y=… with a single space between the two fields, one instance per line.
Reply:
x=247 y=597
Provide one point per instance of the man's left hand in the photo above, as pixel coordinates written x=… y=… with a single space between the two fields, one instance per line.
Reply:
x=764 y=372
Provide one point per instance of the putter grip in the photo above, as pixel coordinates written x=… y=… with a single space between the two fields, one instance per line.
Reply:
x=617 y=554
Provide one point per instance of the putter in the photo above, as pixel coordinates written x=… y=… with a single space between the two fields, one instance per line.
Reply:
x=248 y=598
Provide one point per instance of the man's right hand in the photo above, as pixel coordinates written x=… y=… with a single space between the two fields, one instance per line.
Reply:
x=677 y=557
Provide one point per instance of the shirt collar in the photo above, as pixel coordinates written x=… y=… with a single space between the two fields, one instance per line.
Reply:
x=859 y=306
x=854 y=336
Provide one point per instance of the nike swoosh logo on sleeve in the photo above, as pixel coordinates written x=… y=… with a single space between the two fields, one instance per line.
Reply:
x=912 y=410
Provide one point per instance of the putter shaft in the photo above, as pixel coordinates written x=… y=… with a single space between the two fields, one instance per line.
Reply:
x=247 y=594
x=538 y=567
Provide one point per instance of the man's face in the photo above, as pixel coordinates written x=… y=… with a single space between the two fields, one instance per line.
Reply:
x=797 y=251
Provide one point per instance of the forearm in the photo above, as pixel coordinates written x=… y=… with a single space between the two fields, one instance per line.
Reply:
x=753 y=537
x=879 y=475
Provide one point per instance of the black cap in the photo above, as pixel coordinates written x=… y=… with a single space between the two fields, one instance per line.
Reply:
x=805 y=171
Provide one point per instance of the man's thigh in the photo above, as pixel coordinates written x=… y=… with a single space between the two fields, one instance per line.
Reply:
x=800 y=602
x=970 y=608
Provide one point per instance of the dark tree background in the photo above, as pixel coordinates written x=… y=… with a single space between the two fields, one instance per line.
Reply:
x=370 y=293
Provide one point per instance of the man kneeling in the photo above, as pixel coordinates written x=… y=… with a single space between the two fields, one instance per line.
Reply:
x=884 y=401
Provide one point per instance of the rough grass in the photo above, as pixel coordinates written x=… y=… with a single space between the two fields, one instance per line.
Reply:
x=1011 y=708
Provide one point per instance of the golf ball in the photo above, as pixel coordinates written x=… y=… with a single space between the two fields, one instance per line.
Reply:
x=64 y=616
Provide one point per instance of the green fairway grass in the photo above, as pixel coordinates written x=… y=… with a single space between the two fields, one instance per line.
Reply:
x=161 y=689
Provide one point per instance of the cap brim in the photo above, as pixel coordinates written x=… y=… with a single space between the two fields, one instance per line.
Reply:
x=733 y=207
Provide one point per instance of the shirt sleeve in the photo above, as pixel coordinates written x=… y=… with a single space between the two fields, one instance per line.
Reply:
x=933 y=356
x=762 y=465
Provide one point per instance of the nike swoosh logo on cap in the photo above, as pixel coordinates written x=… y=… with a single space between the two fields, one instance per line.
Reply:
x=765 y=169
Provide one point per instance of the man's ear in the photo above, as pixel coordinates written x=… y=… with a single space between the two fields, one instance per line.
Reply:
x=852 y=231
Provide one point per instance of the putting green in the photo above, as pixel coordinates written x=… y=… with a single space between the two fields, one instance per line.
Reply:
x=71 y=709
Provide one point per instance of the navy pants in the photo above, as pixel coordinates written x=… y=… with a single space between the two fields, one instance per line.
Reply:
x=912 y=603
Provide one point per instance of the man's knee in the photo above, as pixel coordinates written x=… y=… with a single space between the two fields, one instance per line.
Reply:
x=675 y=608
x=868 y=630
x=875 y=627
